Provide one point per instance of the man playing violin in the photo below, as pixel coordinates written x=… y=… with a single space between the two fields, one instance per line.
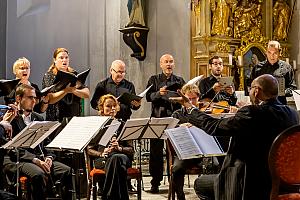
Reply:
x=210 y=88
x=191 y=91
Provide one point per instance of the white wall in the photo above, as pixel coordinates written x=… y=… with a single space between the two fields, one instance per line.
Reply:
x=89 y=29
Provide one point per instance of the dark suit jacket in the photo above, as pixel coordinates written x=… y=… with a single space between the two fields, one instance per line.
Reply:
x=245 y=170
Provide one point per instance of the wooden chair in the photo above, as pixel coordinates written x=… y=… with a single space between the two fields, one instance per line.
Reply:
x=94 y=174
x=193 y=170
x=284 y=164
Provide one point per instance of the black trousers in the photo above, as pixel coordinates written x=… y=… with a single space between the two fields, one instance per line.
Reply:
x=40 y=180
x=204 y=186
x=178 y=172
x=156 y=162
x=115 y=184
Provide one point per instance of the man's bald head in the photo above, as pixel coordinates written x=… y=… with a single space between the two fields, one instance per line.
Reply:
x=268 y=84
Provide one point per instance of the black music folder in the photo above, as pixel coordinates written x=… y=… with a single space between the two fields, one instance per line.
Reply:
x=7 y=86
x=127 y=98
x=62 y=79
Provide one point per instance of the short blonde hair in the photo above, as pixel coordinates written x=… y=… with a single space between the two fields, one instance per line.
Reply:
x=275 y=44
x=103 y=99
x=20 y=62
x=190 y=88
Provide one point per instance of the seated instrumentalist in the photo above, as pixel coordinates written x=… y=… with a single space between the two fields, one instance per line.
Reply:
x=179 y=166
x=118 y=155
x=211 y=89
x=40 y=169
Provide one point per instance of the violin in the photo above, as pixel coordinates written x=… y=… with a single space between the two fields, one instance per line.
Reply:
x=214 y=107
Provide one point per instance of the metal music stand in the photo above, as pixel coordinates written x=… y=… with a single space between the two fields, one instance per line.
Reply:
x=146 y=128
x=30 y=137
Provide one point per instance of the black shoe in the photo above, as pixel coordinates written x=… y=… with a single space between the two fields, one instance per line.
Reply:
x=154 y=190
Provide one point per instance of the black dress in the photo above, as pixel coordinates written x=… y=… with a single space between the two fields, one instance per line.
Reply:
x=67 y=107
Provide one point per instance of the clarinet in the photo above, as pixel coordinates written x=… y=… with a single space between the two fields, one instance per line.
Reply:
x=53 y=188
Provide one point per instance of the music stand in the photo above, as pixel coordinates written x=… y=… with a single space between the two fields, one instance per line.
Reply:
x=77 y=134
x=30 y=137
x=146 y=128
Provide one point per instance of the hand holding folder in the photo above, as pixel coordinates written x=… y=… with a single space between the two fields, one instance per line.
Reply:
x=63 y=79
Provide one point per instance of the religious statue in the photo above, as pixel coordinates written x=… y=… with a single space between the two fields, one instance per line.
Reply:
x=136 y=13
x=247 y=19
x=221 y=10
x=197 y=17
x=281 y=15
x=135 y=32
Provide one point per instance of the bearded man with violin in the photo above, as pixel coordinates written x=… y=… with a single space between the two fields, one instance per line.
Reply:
x=212 y=90
x=215 y=98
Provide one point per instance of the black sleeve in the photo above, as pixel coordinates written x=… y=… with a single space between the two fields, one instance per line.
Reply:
x=99 y=91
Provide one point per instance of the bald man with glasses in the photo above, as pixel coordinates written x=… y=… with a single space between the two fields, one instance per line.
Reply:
x=116 y=84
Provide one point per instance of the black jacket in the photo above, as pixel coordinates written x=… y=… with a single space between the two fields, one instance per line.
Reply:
x=161 y=105
x=253 y=129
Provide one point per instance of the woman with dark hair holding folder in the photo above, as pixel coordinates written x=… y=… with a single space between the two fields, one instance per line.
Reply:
x=118 y=155
x=66 y=102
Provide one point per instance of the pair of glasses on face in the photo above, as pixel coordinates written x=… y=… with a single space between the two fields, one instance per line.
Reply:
x=216 y=64
x=119 y=72
x=24 y=68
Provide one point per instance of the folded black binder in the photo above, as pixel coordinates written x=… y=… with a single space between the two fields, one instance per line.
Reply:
x=45 y=91
x=7 y=86
x=174 y=87
x=62 y=79
x=127 y=98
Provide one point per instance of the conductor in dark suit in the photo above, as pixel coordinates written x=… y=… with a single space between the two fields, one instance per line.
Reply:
x=245 y=174
x=32 y=163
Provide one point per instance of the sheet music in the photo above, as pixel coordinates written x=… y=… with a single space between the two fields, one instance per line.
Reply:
x=183 y=143
x=206 y=143
x=145 y=91
x=226 y=81
x=111 y=130
x=78 y=132
x=297 y=99
x=194 y=80
x=241 y=98
x=193 y=143
x=33 y=134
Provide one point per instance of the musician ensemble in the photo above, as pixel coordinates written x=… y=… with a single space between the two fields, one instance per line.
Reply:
x=166 y=95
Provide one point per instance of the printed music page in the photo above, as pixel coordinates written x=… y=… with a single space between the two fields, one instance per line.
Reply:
x=207 y=143
x=78 y=133
x=296 y=95
x=193 y=143
x=183 y=142
x=110 y=132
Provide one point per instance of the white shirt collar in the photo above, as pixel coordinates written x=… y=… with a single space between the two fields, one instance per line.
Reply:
x=27 y=119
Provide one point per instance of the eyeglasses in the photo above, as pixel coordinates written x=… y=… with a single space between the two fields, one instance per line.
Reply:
x=119 y=72
x=31 y=97
x=255 y=86
x=218 y=64
x=23 y=68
